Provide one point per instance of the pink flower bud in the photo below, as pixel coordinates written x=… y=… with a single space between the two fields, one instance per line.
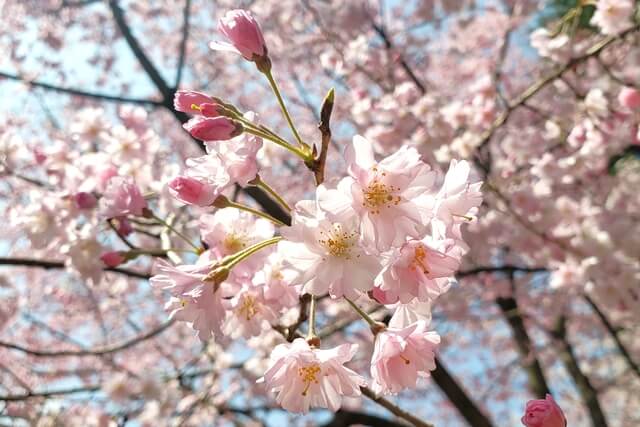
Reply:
x=213 y=128
x=629 y=97
x=210 y=110
x=244 y=33
x=85 y=200
x=543 y=413
x=112 y=258
x=189 y=101
x=191 y=191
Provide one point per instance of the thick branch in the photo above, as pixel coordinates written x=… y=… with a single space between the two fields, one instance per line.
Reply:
x=325 y=130
x=585 y=388
x=78 y=92
x=137 y=51
x=500 y=269
x=456 y=394
x=345 y=417
x=90 y=352
x=186 y=12
x=511 y=312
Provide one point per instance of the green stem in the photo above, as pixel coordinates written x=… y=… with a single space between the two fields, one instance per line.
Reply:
x=261 y=184
x=170 y=227
x=262 y=134
x=256 y=212
x=283 y=107
x=245 y=253
x=362 y=314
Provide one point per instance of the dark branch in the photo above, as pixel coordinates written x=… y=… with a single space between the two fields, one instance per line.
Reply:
x=500 y=269
x=456 y=394
x=186 y=12
x=588 y=393
x=345 y=417
x=89 y=352
x=78 y=92
x=55 y=265
x=49 y=393
x=530 y=363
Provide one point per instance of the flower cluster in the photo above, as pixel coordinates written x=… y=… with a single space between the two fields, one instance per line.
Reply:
x=389 y=232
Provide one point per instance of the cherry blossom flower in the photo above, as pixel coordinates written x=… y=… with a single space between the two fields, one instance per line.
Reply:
x=202 y=182
x=304 y=377
x=250 y=313
x=543 y=413
x=202 y=308
x=613 y=16
x=328 y=252
x=387 y=195
x=419 y=269
x=122 y=197
x=401 y=355
x=629 y=97
x=230 y=230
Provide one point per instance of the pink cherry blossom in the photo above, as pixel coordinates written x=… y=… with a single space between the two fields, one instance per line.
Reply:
x=613 y=16
x=244 y=33
x=203 y=181
x=303 y=377
x=419 y=269
x=388 y=195
x=401 y=355
x=122 y=197
x=202 y=308
x=250 y=313
x=328 y=252
x=543 y=413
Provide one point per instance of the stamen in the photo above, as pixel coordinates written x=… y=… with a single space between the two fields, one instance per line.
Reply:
x=308 y=374
x=248 y=309
x=379 y=195
x=419 y=261
x=338 y=242
x=196 y=107
x=406 y=361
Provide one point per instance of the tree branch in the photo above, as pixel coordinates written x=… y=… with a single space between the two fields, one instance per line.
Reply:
x=78 y=92
x=345 y=417
x=539 y=85
x=588 y=393
x=90 y=352
x=49 y=393
x=186 y=12
x=55 y=265
x=456 y=394
x=511 y=312
x=395 y=410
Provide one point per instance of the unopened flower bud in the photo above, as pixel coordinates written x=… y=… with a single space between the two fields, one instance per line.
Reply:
x=629 y=97
x=213 y=128
x=85 y=200
x=113 y=258
x=244 y=33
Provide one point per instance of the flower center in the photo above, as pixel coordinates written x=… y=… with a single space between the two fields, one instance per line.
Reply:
x=249 y=308
x=338 y=242
x=379 y=195
x=308 y=374
x=419 y=261
x=233 y=243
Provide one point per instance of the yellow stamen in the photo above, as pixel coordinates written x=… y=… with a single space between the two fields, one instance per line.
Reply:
x=308 y=374
x=248 y=309
x=338 y=242
x=379 y=195
x=196 y=107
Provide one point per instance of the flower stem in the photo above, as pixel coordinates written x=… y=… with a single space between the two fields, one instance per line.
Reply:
x=245 y=253
x=283 y=107
x=361 y=312
x=256 y=212
x=262 y=134
x=172 y=228
x=258 y=182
